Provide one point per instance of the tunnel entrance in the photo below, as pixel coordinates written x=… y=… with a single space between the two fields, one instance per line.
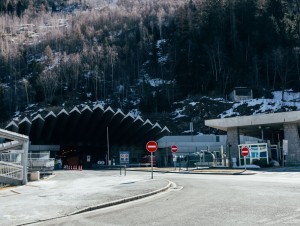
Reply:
x=86 y=156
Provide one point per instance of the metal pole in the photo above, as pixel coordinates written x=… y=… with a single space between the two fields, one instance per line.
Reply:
x=151 y=165
x=24 y=161
x=245 y=162
x=107 y=135
x=187 y=162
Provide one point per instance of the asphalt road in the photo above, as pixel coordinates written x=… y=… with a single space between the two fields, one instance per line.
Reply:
x=261 y=199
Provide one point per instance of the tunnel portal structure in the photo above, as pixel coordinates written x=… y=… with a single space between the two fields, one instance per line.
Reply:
x=273 y=127
x=85 y=135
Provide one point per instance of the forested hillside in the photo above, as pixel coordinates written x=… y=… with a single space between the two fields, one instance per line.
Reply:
x=143 y=54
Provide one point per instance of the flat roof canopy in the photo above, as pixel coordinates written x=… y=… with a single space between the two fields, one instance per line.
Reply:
x=88 y=127
x=252 y=125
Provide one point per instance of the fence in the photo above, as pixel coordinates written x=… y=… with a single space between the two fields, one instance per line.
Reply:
x=40 y=161
x=202 y=157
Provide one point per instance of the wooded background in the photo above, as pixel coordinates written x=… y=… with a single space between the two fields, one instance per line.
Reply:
x=56 y=51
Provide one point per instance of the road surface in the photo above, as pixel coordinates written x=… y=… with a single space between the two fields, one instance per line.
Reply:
x=261 y=199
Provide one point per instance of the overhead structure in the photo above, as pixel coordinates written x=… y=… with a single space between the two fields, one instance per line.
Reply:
x=88 y=127
x=274 y=127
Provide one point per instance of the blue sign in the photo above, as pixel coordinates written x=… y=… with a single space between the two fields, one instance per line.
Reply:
x=124 y=157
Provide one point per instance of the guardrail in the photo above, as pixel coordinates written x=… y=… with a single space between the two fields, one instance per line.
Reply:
x=43 y=165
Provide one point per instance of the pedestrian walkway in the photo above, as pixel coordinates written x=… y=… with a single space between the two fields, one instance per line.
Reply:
x=69 y=192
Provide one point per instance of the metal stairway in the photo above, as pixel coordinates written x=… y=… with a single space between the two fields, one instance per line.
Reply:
x=10 y=173
x=13 y=158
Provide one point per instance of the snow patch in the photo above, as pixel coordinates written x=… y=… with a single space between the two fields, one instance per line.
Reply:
x=135 y=113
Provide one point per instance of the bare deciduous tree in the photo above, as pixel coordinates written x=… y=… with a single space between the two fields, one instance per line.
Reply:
x=49 y=83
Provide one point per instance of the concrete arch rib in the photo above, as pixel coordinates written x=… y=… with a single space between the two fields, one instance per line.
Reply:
x=83 y=124
x=115 y=121
x=13 y=127
x=141 y=133
x=59 y=128
x=68 y=135
x=47 y=131
x=94 y=121
x=164 y=132
x=151 y=134
x=123 y=127
x=135 y=126
x=36 y=128
x=24 y=126
x=100 y=133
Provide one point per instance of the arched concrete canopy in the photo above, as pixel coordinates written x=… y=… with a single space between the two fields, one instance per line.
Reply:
x=88 y=127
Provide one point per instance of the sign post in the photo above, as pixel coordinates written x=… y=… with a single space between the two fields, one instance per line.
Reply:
x=245 y=152
x=151 y=146
x=124 y=157
x=174 y=149
x=284 y=151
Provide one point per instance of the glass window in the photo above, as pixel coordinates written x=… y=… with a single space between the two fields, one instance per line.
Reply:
x=263 y=154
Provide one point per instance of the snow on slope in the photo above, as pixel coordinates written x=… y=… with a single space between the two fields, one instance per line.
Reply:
x=287 y=101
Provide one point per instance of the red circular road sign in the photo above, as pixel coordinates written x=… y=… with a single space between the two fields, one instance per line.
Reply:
x=245 y=151
x=151 y=146
x=174 y=148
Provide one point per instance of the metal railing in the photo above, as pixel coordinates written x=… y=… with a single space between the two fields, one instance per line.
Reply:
x=15 y=158
x=40 y=161
x=43 y=165
x=11 y=170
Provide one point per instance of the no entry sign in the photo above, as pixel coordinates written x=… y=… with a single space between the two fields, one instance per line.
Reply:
x=151 y=146
x=245 y=151
x=174 y=148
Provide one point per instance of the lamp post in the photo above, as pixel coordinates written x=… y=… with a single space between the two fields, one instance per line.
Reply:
x=107 y=135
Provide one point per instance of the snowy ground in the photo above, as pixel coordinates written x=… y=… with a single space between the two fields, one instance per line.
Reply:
x=286 y=101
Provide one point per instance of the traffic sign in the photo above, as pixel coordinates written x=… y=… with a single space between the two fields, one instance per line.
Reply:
x=245 y=151
x=151 y=146
x=174 y=148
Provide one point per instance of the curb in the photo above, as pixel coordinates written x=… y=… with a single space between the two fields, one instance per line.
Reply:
x=121 y=201
x=107 y=204
x=193 y=172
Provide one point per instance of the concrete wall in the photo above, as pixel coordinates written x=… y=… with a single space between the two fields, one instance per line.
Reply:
x=292 y=135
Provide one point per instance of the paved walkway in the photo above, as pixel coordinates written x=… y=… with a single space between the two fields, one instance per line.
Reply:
x=68 y=192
